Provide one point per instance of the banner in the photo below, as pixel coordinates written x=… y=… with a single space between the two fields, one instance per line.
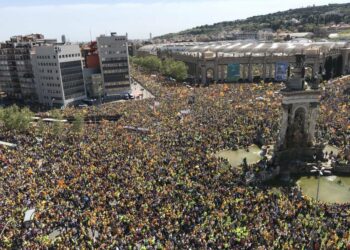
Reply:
x=233 y=72
x=281 y=71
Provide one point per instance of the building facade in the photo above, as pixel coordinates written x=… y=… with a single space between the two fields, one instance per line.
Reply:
x=114 y=64
x=92 y=71
x=9 y=81
x=93 y=82
x=58 y=74
x=16 y=71
x=253 y=61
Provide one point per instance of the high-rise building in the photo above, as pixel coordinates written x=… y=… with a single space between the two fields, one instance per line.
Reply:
x=114 y=63
x=16 y=72
x=9 y=81
x=58 y=74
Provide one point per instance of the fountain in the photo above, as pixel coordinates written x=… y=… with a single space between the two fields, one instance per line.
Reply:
x=296 y=149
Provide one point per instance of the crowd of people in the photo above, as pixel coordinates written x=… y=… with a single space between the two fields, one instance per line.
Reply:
x=334 y=122
x=163 y=187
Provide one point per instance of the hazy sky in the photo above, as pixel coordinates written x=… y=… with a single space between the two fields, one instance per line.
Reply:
x=75 y=18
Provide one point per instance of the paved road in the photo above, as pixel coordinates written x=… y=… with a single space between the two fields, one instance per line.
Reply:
x=140 y=92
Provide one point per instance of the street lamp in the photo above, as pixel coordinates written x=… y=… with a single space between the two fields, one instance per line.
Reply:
x=320 y=171
x=52 y=100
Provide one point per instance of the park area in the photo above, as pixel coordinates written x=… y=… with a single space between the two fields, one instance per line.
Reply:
x=151 y=178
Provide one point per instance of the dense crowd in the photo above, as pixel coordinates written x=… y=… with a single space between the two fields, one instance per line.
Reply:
x=334 y=122
x=163 y=188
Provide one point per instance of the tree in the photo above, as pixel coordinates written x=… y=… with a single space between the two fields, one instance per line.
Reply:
x=78 y=124
x=165 y=69
x=16 y=119
x=152 y=63
x=179 y=70
x=149 y=63
x=57 y=125
x=40 y=127
x=168 y=67
x=24 y=119
x=175 y=69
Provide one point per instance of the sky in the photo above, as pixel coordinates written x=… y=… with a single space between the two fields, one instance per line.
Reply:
x=138 y=18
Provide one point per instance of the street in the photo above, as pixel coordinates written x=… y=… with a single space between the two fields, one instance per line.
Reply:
x=139 y=91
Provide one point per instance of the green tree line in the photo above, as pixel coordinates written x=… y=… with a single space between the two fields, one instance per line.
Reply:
x=311 y=19
x=19 y=120
x=167 y=67
x=14 y=118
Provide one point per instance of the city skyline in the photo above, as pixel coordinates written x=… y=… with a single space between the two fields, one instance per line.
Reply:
x=138 y=18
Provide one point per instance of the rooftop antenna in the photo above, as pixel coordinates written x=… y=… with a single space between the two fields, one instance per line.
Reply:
x=90 y=35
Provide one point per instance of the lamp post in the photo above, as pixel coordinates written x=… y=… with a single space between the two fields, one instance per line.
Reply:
x=52 y=100
x=320 y=171
x=11 y=220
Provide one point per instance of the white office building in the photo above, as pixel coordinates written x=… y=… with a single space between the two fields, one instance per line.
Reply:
x=114 y=61
x=58 y=74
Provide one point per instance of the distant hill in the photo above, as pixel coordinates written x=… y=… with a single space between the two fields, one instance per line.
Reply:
x=309 y=19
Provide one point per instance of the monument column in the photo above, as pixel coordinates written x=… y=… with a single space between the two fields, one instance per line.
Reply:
x=264 y=70
x=244 y=71
x=345 y=55
x=216 y=68
x=204 y=74
x=250 y=71
x=270 y=71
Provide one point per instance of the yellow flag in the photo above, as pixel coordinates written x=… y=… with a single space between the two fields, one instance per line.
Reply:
x=30 y=171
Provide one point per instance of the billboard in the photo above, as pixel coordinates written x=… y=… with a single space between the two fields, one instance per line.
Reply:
x=233 y=72
x=281 y=71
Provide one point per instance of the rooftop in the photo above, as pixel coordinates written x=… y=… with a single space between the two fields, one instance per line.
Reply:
x=246 y=46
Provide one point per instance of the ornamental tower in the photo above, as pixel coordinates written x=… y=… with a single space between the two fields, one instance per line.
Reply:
x=300 y=103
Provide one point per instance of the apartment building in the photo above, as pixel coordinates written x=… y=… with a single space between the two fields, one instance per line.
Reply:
x=58 y=74
x=16 y=72
x=114 y=64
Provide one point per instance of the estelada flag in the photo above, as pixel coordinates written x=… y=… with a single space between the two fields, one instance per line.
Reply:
x=61 y=183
